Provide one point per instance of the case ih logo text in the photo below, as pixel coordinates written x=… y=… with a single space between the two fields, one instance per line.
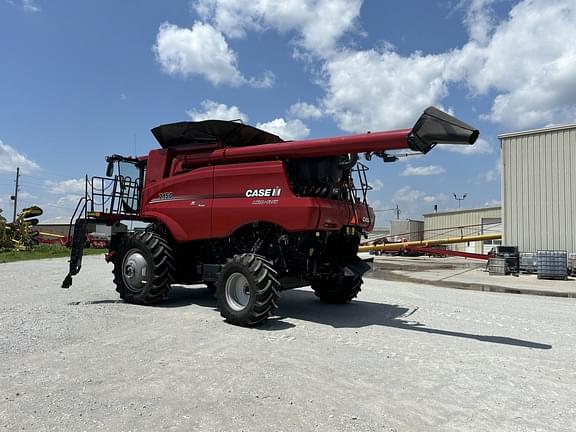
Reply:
x=272 y=192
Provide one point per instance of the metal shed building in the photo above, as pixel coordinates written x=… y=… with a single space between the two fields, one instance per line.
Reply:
x=463 y=223
x=406 y=230
x=538 y=192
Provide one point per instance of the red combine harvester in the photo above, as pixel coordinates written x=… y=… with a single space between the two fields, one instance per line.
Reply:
x=244 y=212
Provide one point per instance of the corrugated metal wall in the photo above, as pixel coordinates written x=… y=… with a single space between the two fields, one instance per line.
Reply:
x=406 y=230
x=538 y=173
x=442 y=225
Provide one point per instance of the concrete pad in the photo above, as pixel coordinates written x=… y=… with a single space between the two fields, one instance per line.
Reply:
x=468 y=274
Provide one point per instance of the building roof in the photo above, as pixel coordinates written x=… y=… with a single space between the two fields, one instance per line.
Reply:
x=406 y=220
x=535 y=131
x=469 y=210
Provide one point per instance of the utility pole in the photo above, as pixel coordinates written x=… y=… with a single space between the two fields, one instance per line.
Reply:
x=15 y=196
x=395 y=210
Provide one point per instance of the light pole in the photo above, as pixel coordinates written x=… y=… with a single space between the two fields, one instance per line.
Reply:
x=459 y=199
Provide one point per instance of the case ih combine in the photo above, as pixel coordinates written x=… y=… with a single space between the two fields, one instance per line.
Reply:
x=244 y=212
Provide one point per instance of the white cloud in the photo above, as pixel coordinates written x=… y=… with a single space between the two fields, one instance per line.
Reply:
x=30 y=6
x=56 y=220
x=491 y=175
x=480 y=147
x=375 y=204
x=319 y=24
x=68 y=200
x=487 y=177
x=493 y=203
x=527 y=60
x=291 y=129
x=304 y=110
x=480 y=20
x=530 y=61
x=217 y=111
x=10 y=159
x=26 y=195
x=414 y=202
x=201 y=50
x=422 y=170
x=266 y=81
x=376 y=185
x=408 y=156
x=66 y=203
x=372 y=90
x=71 y=186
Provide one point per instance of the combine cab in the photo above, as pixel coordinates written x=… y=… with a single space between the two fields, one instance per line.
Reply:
x=244 y=212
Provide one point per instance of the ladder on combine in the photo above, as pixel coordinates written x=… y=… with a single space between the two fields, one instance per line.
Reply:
x=105 y=201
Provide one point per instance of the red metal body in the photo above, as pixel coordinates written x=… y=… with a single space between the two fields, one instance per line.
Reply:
x=214 y=201
x=201 y=194
x=369 y=142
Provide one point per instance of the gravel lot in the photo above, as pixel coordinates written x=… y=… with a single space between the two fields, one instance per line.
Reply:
x=404 y=357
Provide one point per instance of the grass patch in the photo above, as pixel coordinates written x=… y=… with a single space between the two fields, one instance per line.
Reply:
x=42 y=252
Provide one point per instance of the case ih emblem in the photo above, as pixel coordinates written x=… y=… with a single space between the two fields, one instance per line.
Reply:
x=273 y=192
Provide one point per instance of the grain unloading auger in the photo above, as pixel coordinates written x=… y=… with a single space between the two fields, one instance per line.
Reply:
x=244 y=212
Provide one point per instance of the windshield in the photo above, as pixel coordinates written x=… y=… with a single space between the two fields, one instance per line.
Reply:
x=129 y=171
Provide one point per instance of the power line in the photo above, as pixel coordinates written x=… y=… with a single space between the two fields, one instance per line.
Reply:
x=395 y=209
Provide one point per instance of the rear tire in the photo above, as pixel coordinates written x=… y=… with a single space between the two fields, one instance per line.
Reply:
x=337 y=290
x=143 y=268
x=247 y=290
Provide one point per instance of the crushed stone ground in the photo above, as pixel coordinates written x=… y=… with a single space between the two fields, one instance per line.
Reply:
x=402 y=357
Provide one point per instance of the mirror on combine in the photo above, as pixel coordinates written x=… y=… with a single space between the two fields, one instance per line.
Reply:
x=110 y=169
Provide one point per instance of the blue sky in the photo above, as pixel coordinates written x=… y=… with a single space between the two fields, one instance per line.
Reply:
x=80 y=80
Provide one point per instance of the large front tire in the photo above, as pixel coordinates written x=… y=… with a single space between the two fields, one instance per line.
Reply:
x=337 y=290
x=247 y=290
x=143 y=268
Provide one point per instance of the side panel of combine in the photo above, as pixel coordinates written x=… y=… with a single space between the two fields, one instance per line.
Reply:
x=259 y=191
x=183 y=203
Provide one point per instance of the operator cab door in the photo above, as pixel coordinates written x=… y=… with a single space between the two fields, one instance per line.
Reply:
x=129 y=186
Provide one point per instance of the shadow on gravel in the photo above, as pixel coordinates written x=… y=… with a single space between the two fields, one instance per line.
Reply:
x=301 y=305
x=181 y=295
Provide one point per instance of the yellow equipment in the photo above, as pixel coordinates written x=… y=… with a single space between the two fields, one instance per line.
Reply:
x=428 y=243
x=18 y=234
